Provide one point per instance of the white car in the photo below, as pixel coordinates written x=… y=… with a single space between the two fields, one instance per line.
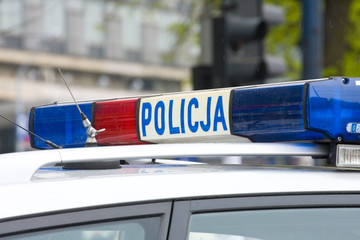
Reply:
x=144 y=191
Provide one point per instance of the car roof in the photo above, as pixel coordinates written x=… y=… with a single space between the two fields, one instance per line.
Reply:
x=45 y=187
x=19 y=167
x=47 y=196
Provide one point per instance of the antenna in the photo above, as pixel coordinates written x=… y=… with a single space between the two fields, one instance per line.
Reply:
x=91 y=132
x=48 y=142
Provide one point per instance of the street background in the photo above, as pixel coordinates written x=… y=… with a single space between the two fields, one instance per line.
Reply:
x=114 y=48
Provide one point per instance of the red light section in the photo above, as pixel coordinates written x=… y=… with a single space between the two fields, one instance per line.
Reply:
x=118 y=117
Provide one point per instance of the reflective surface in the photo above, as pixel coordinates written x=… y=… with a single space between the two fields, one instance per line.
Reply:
x=312 y=223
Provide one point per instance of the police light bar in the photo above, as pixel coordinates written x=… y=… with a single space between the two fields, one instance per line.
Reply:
x=314 y=110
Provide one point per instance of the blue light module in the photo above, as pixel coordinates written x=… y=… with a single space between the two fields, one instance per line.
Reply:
x=59 y=123
x=271 y=114
x=333 y=108
x=315 y=110
x=310 y=110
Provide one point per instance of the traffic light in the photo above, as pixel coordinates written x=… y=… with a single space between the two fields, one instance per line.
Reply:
x=237 y=46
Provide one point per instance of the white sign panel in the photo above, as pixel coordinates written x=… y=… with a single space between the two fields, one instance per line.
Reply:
x=189 y=115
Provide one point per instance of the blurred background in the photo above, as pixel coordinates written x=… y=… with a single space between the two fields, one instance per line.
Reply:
x=118 y=48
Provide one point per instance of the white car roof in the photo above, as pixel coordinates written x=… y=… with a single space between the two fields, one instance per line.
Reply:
x=44 y=196
x=27 y=190
x=19 y=167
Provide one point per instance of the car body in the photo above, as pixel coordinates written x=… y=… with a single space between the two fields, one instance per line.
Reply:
x=47 y=201
x=144 y=188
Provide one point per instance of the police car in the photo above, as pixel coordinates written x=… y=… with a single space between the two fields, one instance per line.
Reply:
x=135 y=185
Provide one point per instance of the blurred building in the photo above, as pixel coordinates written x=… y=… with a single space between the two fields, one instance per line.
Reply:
x=104 y=48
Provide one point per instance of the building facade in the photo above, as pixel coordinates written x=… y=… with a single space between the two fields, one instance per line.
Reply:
x=105 y=49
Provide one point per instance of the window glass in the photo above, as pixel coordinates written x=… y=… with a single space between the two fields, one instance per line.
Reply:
x=94 y=20
x=165 y=21
x=75 y=4
x=53 y=39
x=54 y=19
x=131 y=31
x=134 y=229
x=324 y=223
x=11 y=16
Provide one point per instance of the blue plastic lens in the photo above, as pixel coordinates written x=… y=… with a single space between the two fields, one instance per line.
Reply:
x=333 y=107
x=61 y=124
x=271 y=114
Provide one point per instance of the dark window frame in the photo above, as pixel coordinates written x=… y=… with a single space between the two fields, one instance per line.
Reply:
x=78 y=217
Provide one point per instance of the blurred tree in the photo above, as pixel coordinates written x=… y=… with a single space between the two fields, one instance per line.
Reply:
x=338 y=38
x=283 y=39
x=189 y=28
x=351 y=61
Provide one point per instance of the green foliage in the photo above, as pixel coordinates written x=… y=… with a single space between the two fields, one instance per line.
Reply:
x=188 y=31
x=331 y=71
x=178 y=29
x=283 y=39
x=184 y=32
x=351 y=60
